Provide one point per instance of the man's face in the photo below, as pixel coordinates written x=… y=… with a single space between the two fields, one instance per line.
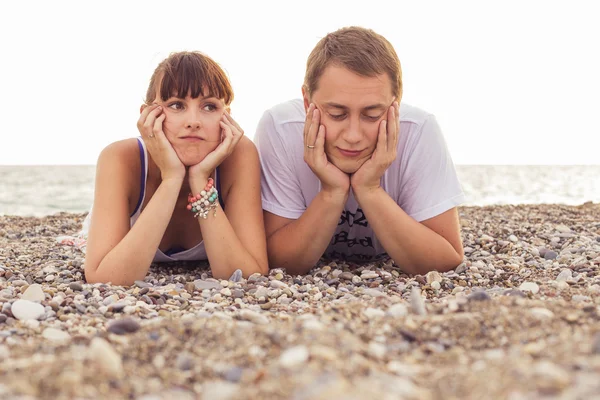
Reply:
x=352 y=107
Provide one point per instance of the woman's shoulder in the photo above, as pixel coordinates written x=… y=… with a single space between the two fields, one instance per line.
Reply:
x=121 y=157
x=245 y=152
x=121 y=150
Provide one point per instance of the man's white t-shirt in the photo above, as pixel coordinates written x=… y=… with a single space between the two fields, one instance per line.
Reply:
x=422 y=180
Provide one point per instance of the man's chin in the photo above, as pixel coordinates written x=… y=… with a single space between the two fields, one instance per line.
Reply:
x=348 y=166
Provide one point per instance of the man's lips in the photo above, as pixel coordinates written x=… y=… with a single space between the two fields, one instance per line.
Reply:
x=349 y=153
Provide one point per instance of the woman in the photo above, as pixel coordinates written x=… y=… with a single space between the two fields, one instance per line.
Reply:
x=188 y=189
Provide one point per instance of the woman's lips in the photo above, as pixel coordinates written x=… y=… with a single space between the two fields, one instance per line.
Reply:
x=350 y=153
x=192 y=139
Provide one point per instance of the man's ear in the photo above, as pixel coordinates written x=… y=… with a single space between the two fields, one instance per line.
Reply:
x=305 y=97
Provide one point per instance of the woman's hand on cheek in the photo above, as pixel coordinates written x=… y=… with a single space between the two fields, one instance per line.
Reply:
x=150 y=125
x=231 y=133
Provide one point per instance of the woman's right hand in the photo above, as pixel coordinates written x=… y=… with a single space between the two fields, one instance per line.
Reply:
x=164 y=156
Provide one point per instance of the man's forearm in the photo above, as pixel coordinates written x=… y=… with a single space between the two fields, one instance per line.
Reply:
x=413 y=246
x=300 y=244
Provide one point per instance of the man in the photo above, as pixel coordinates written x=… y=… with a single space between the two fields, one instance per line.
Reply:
x=348 y=173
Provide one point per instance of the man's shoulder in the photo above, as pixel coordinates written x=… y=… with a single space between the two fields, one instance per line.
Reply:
x=413 y=115
x=288 y=112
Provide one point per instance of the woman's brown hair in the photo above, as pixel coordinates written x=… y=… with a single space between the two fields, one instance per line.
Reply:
x=189 y=72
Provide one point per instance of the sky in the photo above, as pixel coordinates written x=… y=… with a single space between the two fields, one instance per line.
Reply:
x=510 y=82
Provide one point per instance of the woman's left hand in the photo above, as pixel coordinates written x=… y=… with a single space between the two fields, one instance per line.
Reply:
x=231 y=133
x=369 y=175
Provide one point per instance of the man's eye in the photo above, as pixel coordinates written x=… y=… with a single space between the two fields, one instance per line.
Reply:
x=337 y=116
x=372 y=118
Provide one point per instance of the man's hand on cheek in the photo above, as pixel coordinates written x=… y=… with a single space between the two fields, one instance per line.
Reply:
x=368 y=176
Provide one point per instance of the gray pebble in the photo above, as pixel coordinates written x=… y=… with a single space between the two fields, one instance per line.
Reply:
x=550 y=255
x=236 y=276
x=233 y=374
x=479 y=295
x=142 y=284
x=75 y=286
x=184 y=362
x=596 y=344
x=123 y=326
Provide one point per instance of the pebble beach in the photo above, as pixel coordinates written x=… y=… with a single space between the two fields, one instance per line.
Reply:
x=518 y=319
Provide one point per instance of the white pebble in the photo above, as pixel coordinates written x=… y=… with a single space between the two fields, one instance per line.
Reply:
x=294 y=356
x=529 y=287
x=25 y=309
x=106 y=357
x=34 y=293
x=55 y=334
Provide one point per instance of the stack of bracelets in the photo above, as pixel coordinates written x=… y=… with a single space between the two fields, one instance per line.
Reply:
x=205 y=201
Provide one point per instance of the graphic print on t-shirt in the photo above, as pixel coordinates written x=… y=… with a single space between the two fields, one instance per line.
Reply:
x=353 y=239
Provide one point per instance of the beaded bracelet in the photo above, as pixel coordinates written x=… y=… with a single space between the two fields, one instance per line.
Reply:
x=205 y=201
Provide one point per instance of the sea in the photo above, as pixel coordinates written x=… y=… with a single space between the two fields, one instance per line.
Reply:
x=45 y=190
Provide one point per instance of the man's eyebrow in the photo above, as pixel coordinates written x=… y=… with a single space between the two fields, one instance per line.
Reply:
x=379 y=106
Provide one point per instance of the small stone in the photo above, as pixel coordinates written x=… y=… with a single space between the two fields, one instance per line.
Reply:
x=563 y=228
x=201 y=285
x=56 y=335
x=253 y=316
x=369 y=275
x=514 y=292
x=416 y=302
x=596 y=344
x=236 y=276
x=34 y=293
x=184 y=362
x=576 y=298
x=142 y=284
x=376 y=350
x=436 y=285
x=233 y=374
x=479 y=295
x=513 y=238
x=294 y=356
x=550 y=255
x=564 y=275
x=374 y=313
x=76 y=286
x=346 y=276
x=123 y=326
x=25 y=309
x=226 y=292
x=541 y=313
x=461 y=268
x=190 y=287
x=278 y=285
x=106 y=357
x=397 y=310
x=529 y=287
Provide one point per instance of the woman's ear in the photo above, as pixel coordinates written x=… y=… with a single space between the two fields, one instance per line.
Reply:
x=143 y=107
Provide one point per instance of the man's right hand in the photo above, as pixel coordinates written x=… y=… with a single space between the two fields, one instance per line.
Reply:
x=333 y=180
x=150 y=125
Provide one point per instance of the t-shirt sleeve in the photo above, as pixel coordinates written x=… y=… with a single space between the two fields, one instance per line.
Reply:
x=430 y=185
x=280 y=187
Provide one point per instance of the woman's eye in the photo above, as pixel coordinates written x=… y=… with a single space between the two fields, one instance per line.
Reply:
x=176 y=105
x=210 y=107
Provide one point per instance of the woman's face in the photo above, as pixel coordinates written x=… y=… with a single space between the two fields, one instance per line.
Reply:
x=192 y=126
